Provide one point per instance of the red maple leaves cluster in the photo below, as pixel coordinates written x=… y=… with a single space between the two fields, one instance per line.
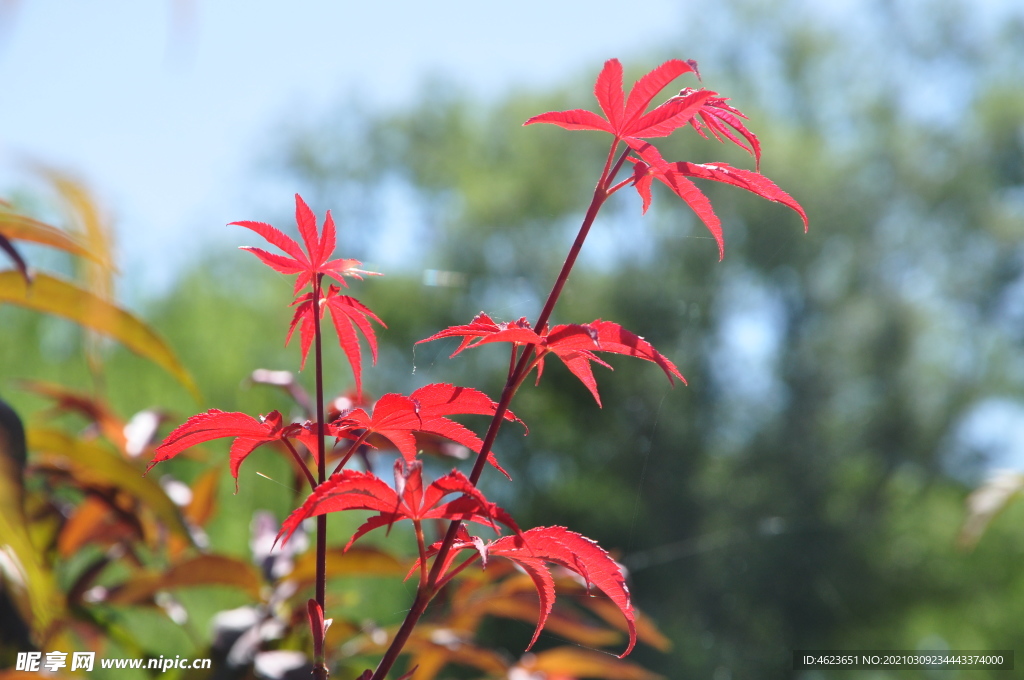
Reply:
x=405 y=422
x=311 y=265
x=627 y=119
x=400 y=422
x=573 y=344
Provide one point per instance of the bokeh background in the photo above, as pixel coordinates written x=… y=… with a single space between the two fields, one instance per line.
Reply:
x=848 y=388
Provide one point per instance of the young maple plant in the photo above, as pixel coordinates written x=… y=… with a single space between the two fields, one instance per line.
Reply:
x=396 y=421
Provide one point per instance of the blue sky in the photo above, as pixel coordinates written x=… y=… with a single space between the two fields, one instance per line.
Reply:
x=163 y=108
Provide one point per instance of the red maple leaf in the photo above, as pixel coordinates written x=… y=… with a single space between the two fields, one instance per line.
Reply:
x=354 y=490
x=311 y=262
x=624 y=116
x=716 y=115
x=248 y=432
x=674 y=176
x=397 y=418
x=626 y=120
x=349 y=315
x=573 y=344
x=534 y=549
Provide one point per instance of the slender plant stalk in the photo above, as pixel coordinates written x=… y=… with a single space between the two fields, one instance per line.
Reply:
x=352 y=449
x=301 y=463
x=320 y=668
x=425 y=593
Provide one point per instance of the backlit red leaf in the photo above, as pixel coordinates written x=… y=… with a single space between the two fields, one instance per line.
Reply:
x=349 y=317
x=575 y=119
x=311 y=262
x=716 y=115
x=704 y=110
x=611 y=337
x=533 y=550
x=626 y=120
x=576 y=553
x=753 y=182
x=608 y=91
x=654 y=166
x=248 y=432
x=353 y=490
x=482 y=329
x=671 y=115
x=397 y=418
x=573 y=344
x=648 y=87
x=345 y=490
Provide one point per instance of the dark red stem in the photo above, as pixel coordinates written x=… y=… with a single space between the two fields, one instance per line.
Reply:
x=352 y=449
x=302 y=464
x=320 y=669
x=426 y=593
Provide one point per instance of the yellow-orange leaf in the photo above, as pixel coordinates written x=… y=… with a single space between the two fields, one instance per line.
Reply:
x=24 y=575
x=92 y=522
x=204 y=497
x=23 y=228
x=62 y=298
x=205 y=570
x=646 y=631
x=573 y=662
x=89 y=464
x=560 y=622
x=355 y=562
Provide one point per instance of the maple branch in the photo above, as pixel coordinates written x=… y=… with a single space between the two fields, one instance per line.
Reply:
x=512 y=360
x=456 y=571
x=302 y=464
x=320 y=669
x=426 y=593
x=422 y=545
x=618 y=186
x=351 y=450
x=608 y=162
x=615 y=171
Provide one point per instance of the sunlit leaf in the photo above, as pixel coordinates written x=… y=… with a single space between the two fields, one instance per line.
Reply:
x=398 y=418
x=96 y=233
x=19 y=261
x=89 y=464
x=572 y=662
x=23 y=571
x=357 y=561
x=434 y=647
x=574 y=344
x=93 y=408
x=62 y=298
x=93 y=522
x=204 y=498
x=646 y=631
x=626 y=119
x=247 y=432
x=354 y=490
x=524 y=607
x=205 y=570
x=312 y=262
x=22 y=228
